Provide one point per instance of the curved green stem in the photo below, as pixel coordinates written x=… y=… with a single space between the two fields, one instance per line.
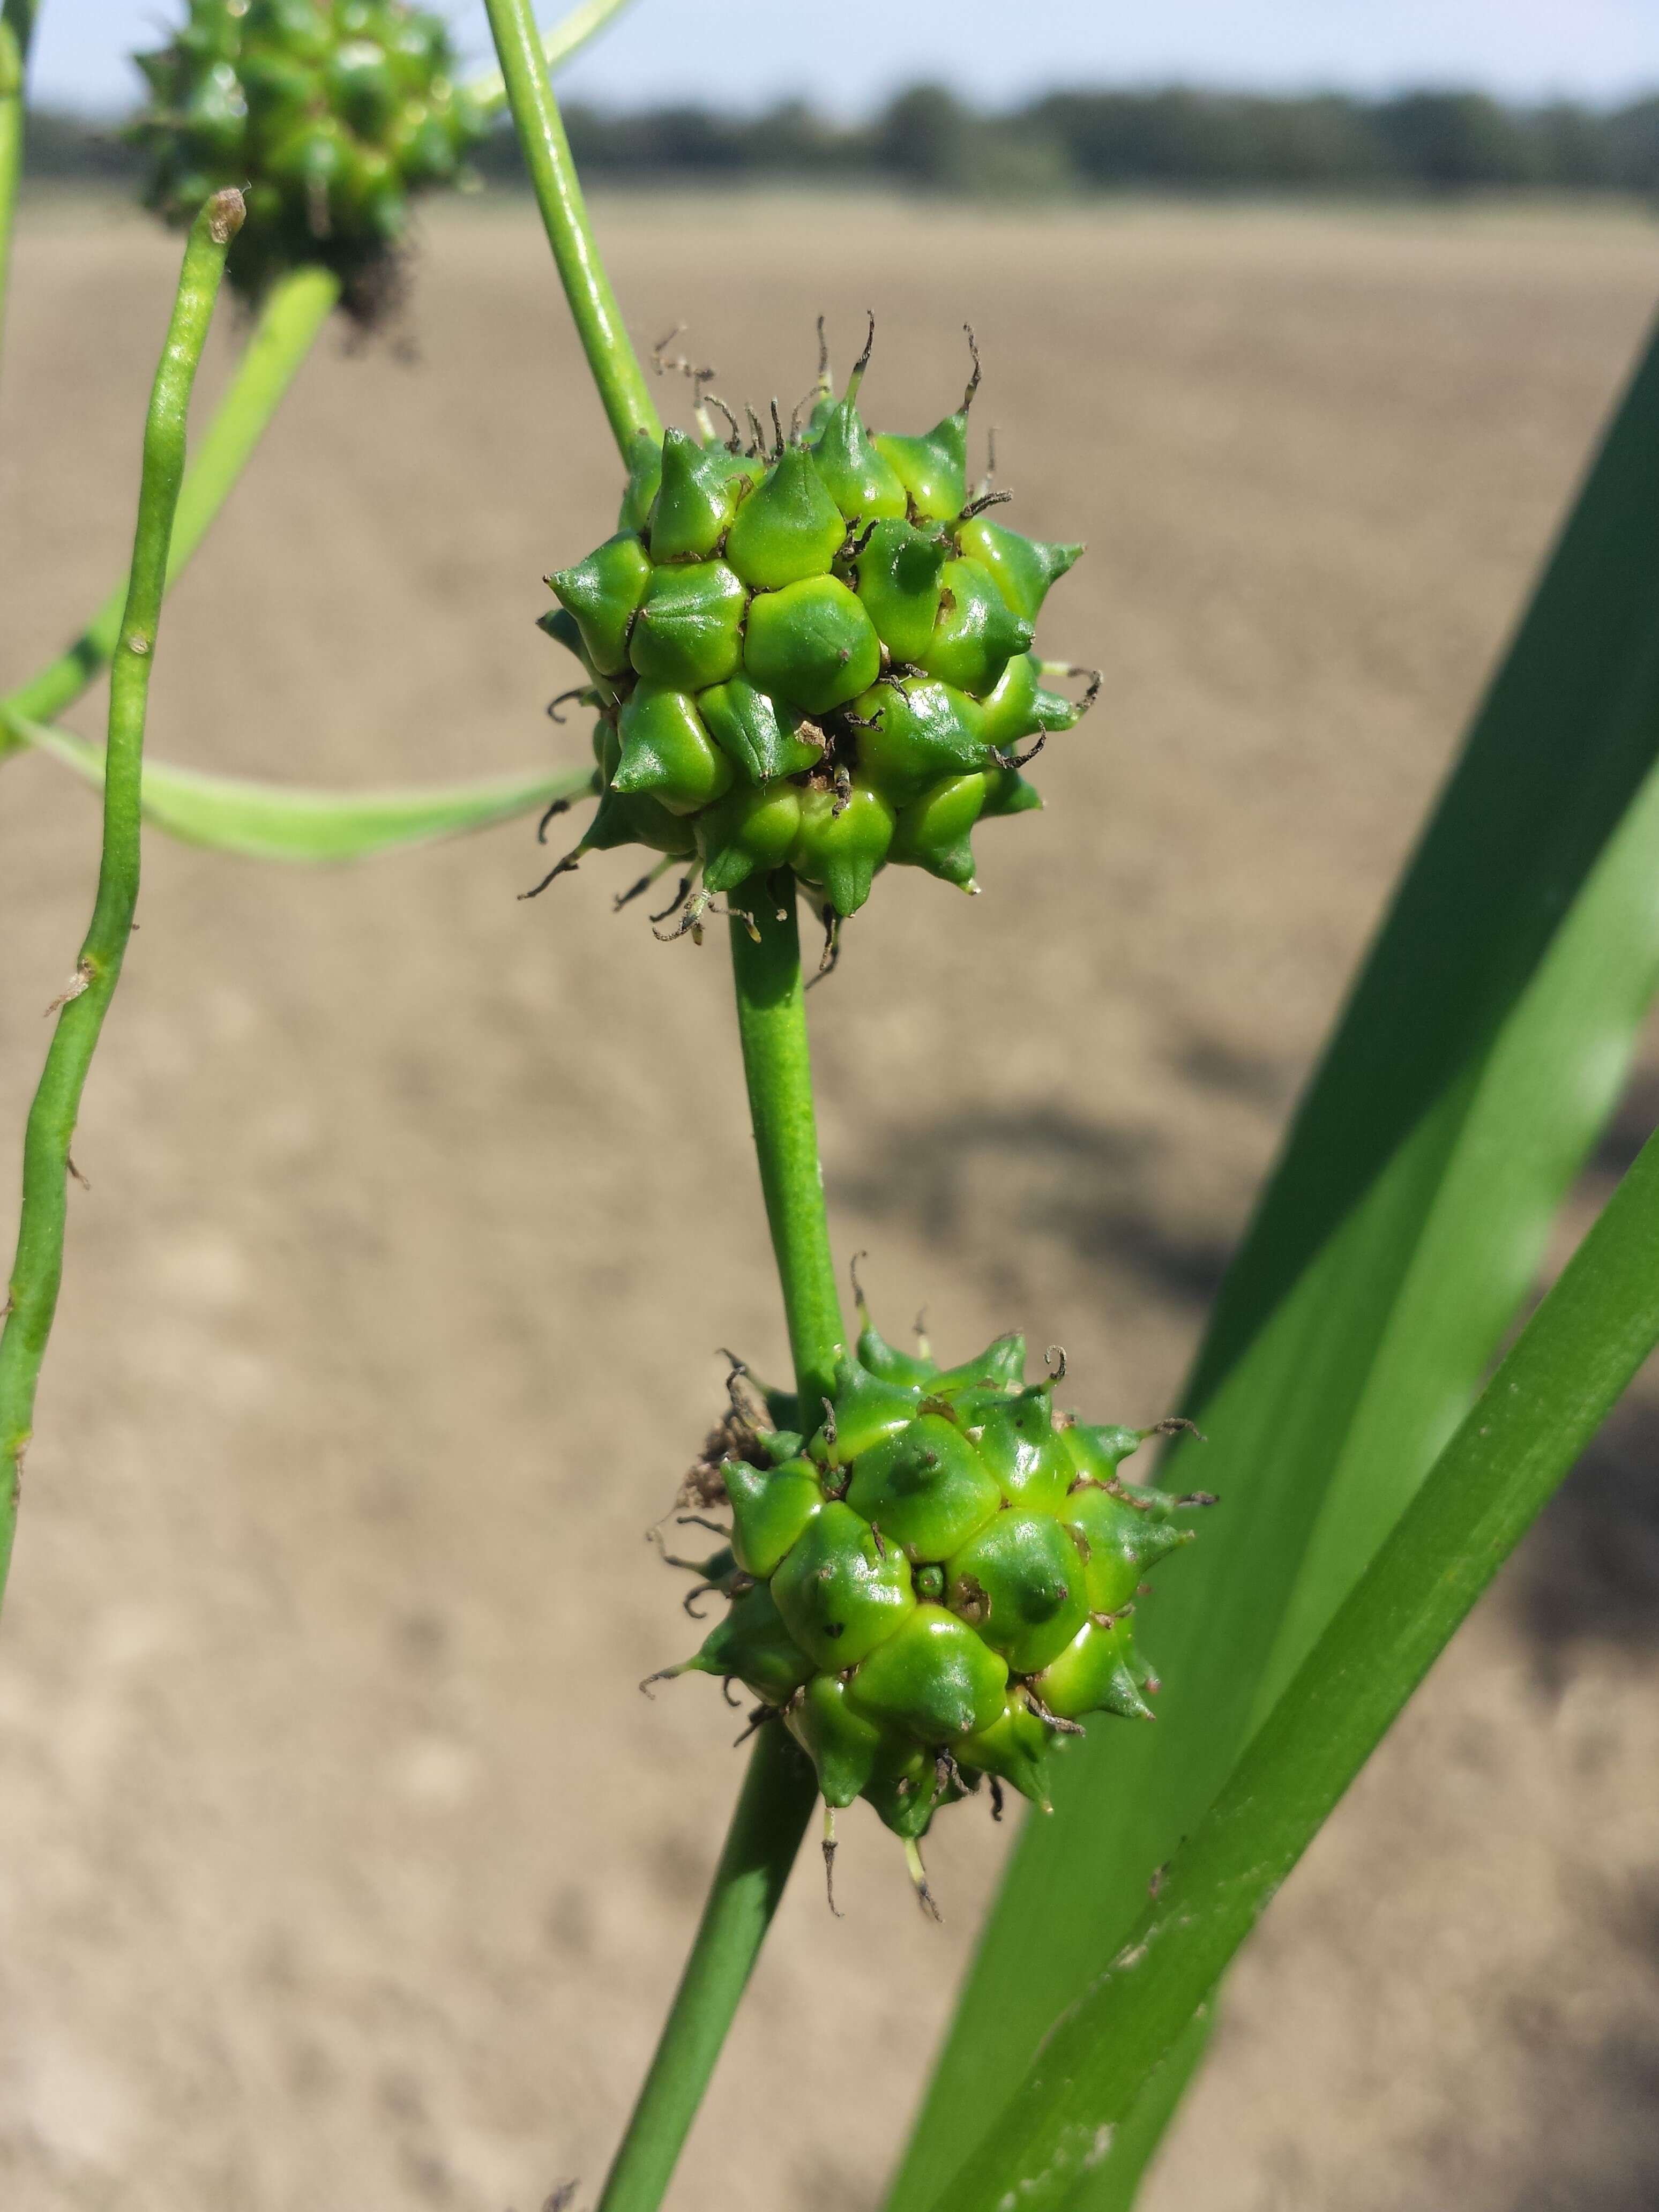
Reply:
x=535 y=117
x=781 y=1789
x=38 y=1269
x=566 y=37
x=288 y=325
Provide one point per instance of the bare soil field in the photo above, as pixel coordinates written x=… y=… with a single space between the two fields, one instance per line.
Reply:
x=342 y=1866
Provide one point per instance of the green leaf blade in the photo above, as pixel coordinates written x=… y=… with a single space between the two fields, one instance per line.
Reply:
x=1552 y=1079
x=272 y=822
x=1547 y=1398
x=1467 y=1078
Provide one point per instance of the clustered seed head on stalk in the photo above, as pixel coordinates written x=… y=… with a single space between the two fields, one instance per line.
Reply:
x=937 y=1584
x=329 y=114
x=809 y=649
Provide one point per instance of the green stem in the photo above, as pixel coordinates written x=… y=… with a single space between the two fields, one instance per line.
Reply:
x=289 y=322
x=1546 y=1401
x=778 y=1068
x=38 y=1268
x=781 y=1791
x=566 y=37
x=535 y=117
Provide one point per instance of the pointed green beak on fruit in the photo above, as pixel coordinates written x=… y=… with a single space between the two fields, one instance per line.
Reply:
x=816 y=654
x=938 y=1585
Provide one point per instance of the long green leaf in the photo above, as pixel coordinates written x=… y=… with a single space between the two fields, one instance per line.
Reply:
x=1553 y=1073
x=1575 y=1357
x=269 y=822
x=1478 y=1057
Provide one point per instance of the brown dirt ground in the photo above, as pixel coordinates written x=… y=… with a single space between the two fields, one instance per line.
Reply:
x=341 y=1864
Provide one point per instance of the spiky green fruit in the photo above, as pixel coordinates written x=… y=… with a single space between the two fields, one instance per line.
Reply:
x=851 y=636
x=327 y=114
x=939 y=1583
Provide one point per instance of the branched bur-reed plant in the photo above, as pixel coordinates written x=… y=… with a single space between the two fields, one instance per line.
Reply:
x=810 y=652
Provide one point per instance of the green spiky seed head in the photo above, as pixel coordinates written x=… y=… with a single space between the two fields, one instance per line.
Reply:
x=938 y=1583
x=849 y=635
x=328 y=115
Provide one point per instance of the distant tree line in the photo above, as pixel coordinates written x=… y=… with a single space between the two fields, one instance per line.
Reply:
x=65 y=147
x=1175 y=140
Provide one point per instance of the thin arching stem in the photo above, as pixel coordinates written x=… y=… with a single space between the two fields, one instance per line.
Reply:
x=781 y=1791
x=610 y=357
x=37 y=1271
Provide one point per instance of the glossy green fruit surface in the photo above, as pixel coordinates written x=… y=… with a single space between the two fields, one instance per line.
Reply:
x=939 y=1583
x=328 y=115
x=854 y=638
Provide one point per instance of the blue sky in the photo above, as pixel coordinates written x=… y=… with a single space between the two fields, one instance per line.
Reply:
x=846 y=56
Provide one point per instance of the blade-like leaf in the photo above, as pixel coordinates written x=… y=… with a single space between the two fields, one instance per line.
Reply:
x=1554 y=1073
x=268 y=822
x=1546 y=1400
x=1481 y=1049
